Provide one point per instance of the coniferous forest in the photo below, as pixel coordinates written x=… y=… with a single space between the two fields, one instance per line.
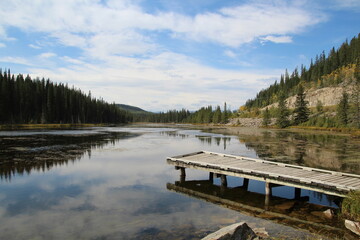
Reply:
x=345 y=55
x=26 y=100
x=202 y=116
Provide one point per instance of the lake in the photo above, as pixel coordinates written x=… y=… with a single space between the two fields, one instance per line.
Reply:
x=114 y=182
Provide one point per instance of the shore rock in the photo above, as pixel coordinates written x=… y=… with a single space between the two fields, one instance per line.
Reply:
x=237 y=231
x=353 y=226
x=261 y=232
x=329 y=214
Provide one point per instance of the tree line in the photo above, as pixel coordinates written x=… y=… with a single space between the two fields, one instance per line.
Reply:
x=26 y=100
x=204 y=115
x=346 y=54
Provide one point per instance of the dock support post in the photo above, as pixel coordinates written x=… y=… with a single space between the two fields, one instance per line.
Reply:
x=297 y=193
x=182 y=173
x=223 y=180
x=211 y=176
x=268 y=190
x=268 y=193
x=245 y=183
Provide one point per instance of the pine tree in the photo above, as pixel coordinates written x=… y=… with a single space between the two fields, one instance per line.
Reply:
x=266 y=118
x=224 y=117
x=217 y=115
x=301 y=110
x=343 y=109
x=282 y=120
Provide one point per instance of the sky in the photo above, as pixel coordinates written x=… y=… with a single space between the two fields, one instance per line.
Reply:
x=170 y=54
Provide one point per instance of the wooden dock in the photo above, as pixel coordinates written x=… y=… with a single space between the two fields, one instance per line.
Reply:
x=273 y=173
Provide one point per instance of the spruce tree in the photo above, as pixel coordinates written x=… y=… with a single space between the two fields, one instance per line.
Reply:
x=282 y=120
x=266 y=118
x=217 y=115
x=301 y=110
x=343 y=109
x=224 y=117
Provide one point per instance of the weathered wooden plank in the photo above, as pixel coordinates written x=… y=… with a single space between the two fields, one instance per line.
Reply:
x=354 y=184
x=196 y=157
x=347 y=181
x=333 y=178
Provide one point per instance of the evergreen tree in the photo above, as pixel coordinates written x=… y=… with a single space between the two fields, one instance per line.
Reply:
x=319 y=106
x=282 y=119
x=217 y=115
x=224 y=117
x=266 y=118
x=39 y=101
x=301 y=110
x=343 y=109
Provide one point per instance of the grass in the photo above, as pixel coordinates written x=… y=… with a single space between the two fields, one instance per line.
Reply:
x=351 y=206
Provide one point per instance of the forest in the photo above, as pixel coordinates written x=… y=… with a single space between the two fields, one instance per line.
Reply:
x=32 y=101
x=345 y=55
x=26 y=100
x=202 y=116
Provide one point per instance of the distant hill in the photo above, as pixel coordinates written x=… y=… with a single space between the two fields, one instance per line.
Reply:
x=131 y=109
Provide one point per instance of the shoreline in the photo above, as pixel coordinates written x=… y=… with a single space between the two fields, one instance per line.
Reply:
x=352 y=132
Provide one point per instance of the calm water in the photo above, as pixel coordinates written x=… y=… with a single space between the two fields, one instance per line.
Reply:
x=114 y=183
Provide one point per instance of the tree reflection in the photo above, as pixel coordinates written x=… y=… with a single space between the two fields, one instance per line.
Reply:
x=326 y=151
x=24 y=154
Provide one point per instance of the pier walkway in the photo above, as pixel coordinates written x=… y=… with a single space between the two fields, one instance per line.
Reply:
x=273 y=173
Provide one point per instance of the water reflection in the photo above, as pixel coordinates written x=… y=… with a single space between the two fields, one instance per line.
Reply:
x=294 y=212
x=319 y=150
x=23 y=153
x=174 y=134
x=119 y=193
x=224 y=141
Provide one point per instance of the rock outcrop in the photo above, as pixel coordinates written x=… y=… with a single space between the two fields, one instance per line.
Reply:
x=237 y=231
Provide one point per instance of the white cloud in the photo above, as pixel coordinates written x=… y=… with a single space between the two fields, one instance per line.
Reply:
x=2 y=45
x=277 y=39
x=47 y=55
x=74 y=23
x=112 y=35
x=243 y=24
x=230 y=53
x=161 y=82
x=34 y=46
x=351 y=4
x=16 y=60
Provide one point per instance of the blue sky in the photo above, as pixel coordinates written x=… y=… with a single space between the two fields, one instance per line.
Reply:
x=170 y=54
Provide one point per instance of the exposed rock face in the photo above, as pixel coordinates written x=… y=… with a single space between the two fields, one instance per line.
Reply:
x=237 y=231
x=353 y=226
x=328 y=96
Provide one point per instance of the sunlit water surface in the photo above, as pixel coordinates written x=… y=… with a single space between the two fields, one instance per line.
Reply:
x=111 y=183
